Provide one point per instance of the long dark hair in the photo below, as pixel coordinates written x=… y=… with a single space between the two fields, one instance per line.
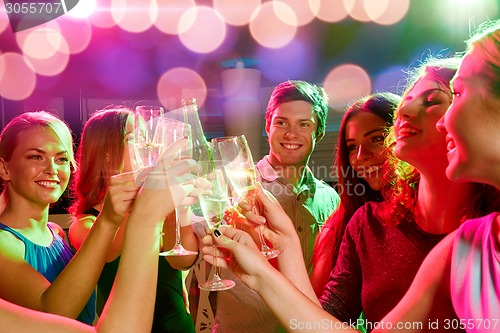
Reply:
x=328 y=245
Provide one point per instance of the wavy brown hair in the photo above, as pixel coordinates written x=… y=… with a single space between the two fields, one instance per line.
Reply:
x=382 y=105
x=99 y=156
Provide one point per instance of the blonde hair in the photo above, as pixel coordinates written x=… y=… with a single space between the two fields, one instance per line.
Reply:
x=10 y=134
x=486 y=41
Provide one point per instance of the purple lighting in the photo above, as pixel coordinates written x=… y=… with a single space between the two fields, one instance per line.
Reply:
x=293 y=61
x=121 y=69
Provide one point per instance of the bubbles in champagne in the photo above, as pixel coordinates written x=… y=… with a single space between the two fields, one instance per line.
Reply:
x=147 y=154
x=213 y=207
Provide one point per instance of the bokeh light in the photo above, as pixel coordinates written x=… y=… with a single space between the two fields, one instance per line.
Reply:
x=302 y=10
x=4 y=19
x=83 y=9
x=134 y=15
x=357 y=10
x=18 y=80
x=170 y=13
x=285 y=13
x=101 y=17
x=202 y=29
x=387 y=12
x=236 y=13
x=374 y=9
x=346 y=83
x=180 y=83
x=77 y=34
x=52 y=66
x=45 y=48
x=329 y=10
x=41 y=42
x=267 y=27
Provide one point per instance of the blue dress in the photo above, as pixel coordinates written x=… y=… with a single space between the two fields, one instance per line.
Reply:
x=50 y=261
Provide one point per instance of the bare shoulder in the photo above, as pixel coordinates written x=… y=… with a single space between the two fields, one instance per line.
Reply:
x=57 y=228
x=82 y=221
x=79 y=228
x=11 y=247
x=17 y=273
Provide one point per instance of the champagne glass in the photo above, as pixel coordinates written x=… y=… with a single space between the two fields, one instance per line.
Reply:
x=168 y=132
x=201 y=149
x=240 y=171
x=146 y=150
x=213 y=204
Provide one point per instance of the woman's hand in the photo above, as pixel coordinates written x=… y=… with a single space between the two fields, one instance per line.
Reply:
x=278 y=228
x=240 y=254
x=170 y=183
x=120 y=197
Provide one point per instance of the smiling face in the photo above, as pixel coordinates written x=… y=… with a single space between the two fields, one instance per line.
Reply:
x=473 y=125
x=364 y=138
x=292 y=134
x=39 y=168
x=417 y=140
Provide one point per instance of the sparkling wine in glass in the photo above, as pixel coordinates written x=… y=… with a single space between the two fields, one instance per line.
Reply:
x=240 y=171
x=146 y=149
x=201 y=149
x=213 y=203
x=167 y=133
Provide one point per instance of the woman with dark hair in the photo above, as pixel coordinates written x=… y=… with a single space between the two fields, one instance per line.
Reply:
x=382 y=249
x=457 y=287
x=359 y=157
x=386 y=242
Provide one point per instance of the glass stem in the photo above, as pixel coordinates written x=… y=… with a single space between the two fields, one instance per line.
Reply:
x=263 y=245
x=216 y=268
x=177 y=228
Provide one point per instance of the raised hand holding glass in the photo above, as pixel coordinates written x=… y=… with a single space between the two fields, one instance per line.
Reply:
x=213 y=204
x=167 y=133
x=240 y=171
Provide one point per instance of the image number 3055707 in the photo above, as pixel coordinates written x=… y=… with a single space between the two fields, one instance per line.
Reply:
x=25 y=14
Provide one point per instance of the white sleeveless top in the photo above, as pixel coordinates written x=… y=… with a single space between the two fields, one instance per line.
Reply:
x=475 y=276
